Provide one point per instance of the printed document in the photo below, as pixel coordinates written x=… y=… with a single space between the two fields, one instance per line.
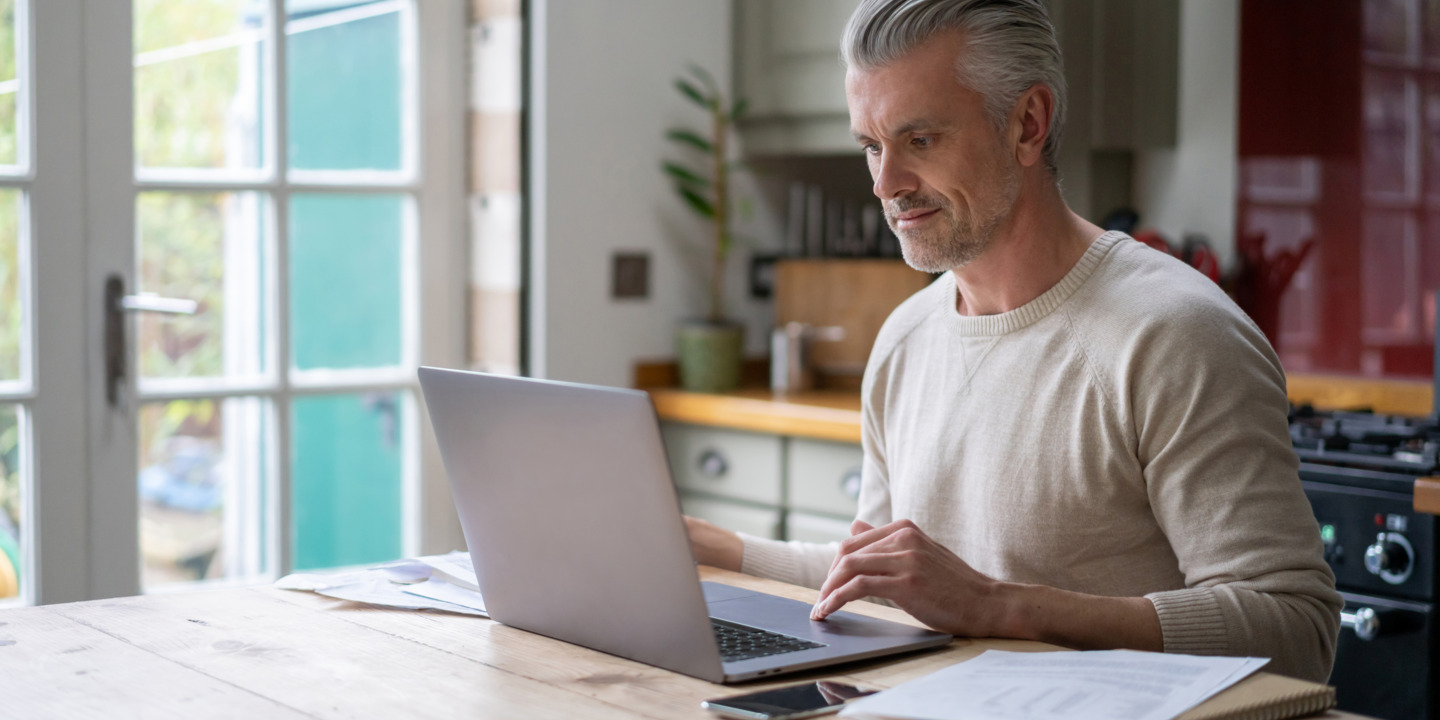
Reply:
x=1103 y=685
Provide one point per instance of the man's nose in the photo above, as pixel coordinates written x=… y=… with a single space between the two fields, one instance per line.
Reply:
x=892 y=177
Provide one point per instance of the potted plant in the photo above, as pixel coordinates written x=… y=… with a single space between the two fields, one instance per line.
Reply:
x=709 y=348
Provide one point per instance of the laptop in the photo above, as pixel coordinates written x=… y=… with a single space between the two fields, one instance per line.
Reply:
x=574 y=527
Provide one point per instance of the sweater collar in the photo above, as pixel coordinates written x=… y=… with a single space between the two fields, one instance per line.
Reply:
x=1037 y=309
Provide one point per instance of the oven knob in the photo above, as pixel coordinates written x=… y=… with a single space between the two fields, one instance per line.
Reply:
x=1389 y=558
x=1364 y=621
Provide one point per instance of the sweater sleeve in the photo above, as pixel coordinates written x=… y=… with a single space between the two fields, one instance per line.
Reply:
x=807 y=564
x=1206 y=399
x=794 y=562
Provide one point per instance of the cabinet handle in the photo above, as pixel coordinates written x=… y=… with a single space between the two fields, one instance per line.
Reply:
x=713 y=465
x=850 y=483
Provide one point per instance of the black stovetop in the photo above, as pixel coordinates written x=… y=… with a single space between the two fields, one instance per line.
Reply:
x=1367 y=441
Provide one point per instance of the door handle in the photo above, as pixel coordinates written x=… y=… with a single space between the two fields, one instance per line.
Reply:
x=117 y=303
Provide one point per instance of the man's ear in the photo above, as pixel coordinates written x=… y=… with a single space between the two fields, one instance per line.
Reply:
x=1030 y=123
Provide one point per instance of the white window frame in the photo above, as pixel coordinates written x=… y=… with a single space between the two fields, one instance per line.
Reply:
x=83 y=530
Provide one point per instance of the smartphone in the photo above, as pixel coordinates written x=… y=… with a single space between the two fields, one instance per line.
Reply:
x=795 y=701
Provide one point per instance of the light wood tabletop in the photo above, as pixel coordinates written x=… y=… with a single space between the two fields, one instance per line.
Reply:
x=262 y=652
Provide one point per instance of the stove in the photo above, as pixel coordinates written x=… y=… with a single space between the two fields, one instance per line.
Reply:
x=1358 y=470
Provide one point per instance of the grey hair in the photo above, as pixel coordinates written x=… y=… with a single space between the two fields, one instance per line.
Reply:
x=1010 y=48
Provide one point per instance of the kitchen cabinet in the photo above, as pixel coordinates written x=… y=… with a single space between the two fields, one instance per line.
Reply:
x=1122 y=60
x=787 y=65
x=1122 y=66
x=776 y=486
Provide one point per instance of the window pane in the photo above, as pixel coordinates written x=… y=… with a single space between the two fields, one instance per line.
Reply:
x=199 y=83
x=346 y=478
x=1390 y=27
x=344 y=85
x=12 y=504
x=9 y=86
x=203 y=477
x=1392 y=135
x=13 y=302
x=1431 y=113
x=346 y=265
x=1388 y=301
x=210 y=248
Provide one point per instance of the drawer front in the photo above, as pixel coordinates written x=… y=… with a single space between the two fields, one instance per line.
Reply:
x=740 y=465
x=824 y=476
x=731 y=516
x=814 y=528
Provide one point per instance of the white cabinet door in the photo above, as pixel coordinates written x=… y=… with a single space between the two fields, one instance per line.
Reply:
x=823 y=476
x=726 y=463
x=759 y=522
x=814 y=528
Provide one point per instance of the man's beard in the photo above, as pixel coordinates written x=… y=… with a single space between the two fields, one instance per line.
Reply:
x=953 y=242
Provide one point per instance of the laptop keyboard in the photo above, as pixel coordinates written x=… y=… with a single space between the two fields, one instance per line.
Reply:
x=741 y=642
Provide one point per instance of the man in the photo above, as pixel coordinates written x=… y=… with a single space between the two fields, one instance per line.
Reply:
x=1069 y=437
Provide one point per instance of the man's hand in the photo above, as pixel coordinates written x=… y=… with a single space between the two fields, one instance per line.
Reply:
x=900 y=563
x=713 y=545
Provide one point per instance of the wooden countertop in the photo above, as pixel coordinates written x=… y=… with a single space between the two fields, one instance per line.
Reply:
x=824 y=415
x=835 y=414
x=265 y=652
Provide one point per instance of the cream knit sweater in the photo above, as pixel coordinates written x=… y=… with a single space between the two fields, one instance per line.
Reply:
x=1123 y=434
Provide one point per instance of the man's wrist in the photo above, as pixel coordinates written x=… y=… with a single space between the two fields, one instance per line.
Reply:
x=1076 y=620
x=1019 y=612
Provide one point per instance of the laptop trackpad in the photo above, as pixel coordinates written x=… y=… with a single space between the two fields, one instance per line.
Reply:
x=716 y=592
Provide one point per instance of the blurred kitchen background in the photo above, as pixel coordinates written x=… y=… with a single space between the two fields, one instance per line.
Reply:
x=350 y=189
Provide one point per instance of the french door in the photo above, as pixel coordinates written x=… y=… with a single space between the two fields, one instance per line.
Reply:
x=235 y=229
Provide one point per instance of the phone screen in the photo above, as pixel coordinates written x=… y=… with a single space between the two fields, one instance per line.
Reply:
x=793 y=701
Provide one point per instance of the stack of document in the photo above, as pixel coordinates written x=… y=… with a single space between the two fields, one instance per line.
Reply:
x=434 y=582
x=1102 y=685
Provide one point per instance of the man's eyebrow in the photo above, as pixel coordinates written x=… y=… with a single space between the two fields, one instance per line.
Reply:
x=912 y=126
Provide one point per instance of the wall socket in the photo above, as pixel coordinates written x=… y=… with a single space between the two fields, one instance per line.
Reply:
x=630 y=275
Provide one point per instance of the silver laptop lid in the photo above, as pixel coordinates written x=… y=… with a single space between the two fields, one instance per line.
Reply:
x=569 y=512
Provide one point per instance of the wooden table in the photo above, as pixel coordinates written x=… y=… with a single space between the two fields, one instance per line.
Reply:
x=267 y=653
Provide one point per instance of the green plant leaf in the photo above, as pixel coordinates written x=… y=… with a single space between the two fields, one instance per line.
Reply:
x=690 y=91
x=691 y=138
x=705 y=79
x=737 y=110
x=698 y=202
x=686 y=175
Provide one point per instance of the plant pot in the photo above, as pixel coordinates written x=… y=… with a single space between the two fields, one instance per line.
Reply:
x=709 y=355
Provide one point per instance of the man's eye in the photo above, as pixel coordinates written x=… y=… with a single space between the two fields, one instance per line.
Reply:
x=920 y=142
x=872 y=149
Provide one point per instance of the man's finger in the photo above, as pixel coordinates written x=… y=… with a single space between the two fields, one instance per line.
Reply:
x=858 y=588
x=866 y=537
x=864 y=563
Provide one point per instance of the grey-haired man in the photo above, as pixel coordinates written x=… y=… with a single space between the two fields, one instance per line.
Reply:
x=1069 y=437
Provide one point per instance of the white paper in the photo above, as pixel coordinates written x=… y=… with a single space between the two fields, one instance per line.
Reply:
x=1105 y=685
x=435 y=582
x=379 y=591
x=437 y=589
x=454 y=568
x=317 y=581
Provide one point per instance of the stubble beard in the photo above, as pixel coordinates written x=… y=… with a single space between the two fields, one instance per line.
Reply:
x=960 y=240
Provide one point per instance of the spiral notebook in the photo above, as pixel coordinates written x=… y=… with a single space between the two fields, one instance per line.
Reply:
x=1263 y=696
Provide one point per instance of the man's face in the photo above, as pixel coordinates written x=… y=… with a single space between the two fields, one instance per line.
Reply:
x=948 y=180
